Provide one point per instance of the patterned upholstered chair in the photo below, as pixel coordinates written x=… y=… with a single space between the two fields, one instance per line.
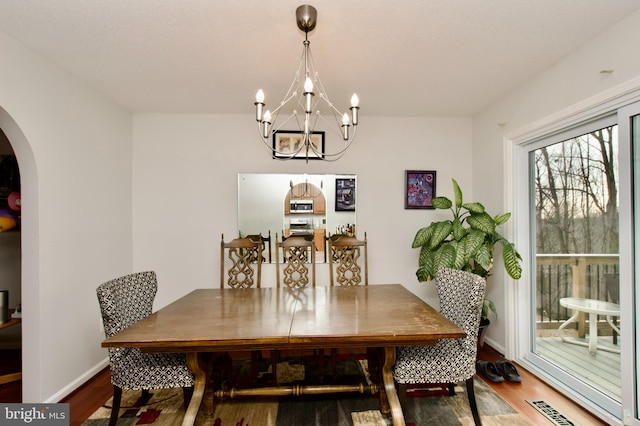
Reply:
x=123 y=302
x=348 y=260
x=450 y=360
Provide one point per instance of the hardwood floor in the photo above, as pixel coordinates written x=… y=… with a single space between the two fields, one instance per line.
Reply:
x=532 y=388
x=88 y=398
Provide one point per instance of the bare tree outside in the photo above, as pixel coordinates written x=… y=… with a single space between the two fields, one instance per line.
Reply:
x=577 y=195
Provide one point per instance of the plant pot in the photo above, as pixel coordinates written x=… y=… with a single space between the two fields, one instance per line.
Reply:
x=484 y=324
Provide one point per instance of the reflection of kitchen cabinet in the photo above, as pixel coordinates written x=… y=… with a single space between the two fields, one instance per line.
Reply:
x=304 y=191
x=318 y=237
x=319 y=205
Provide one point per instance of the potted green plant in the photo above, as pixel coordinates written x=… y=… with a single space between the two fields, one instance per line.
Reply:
x=466 y=242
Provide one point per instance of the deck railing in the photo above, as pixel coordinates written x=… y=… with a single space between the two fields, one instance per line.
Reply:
x=570 y=275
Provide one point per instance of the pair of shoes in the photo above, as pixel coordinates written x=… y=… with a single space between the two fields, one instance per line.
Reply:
x=489 y=370
x=509 y=371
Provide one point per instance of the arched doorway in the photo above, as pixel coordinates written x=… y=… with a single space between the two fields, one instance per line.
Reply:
x=10 y=281
x=29 y=242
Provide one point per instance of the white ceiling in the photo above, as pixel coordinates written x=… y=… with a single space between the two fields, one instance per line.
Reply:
x=402 y=57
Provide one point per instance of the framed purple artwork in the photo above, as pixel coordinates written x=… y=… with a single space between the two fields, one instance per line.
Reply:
x=420 y=187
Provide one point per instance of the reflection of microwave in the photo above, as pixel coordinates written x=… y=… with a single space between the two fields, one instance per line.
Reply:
x=301 y=206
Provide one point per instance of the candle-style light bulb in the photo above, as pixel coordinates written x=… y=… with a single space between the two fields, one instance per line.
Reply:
x=345 y=126
x=266 y=121
x=308 y=85
x=354 y=100
x=354 y=109
x=308 y=94
x=259 y=105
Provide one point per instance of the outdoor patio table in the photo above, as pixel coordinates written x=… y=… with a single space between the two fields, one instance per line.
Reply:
x=593 y=308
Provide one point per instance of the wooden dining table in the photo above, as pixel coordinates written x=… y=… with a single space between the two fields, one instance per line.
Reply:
x=209 y=321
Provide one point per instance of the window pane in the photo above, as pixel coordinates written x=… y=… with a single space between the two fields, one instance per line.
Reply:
x=576 y=245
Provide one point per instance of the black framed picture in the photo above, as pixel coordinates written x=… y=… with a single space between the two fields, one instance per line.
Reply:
x=290 y=144
x=420 y=187
x=345 y=194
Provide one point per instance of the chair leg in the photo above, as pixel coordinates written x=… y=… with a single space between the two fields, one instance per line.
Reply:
x=451 y=388
x=334 y=363
x=146 y=396
x=471 y=394
x=275 y=358
x=320 y=356
x=187 y=393
x=402 y=394
x=115 y=405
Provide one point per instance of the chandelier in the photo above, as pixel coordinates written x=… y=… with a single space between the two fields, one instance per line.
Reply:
x=301 y=106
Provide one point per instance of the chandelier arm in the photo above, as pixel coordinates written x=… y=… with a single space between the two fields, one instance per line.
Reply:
x=283 y=103
x=346 y=146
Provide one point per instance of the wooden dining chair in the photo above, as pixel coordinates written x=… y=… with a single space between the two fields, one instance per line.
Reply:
x=123 y=302
x=240 y=263
x=450 y=360
x=348 y=260
x=296 y=261
x=265 y=245
x=240 y=267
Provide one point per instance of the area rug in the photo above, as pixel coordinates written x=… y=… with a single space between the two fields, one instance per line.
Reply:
x=165 y=408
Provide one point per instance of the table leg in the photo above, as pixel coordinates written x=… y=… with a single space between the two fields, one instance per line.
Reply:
x=593 y=333
x=193 y=361
x=390 y=388
x=613 y=326
x=566 y=323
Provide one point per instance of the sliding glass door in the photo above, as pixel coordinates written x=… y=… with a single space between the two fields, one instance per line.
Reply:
x=583 y=204
x=630 y=125
x=574 y=200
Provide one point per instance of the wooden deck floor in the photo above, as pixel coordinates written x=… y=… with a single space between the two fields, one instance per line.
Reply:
x=601 y=371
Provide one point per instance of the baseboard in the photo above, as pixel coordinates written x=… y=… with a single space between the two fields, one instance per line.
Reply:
x=62 y=393
x=494 y=345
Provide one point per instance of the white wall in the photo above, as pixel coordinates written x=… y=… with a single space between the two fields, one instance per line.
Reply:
x=573 y=80
x=185 y=191
x=74 y=151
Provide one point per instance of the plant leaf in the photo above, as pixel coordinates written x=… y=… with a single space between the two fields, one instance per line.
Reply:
x=500 y=219
x=474 y=207
x=472 y=242
x=484 y=257
x=482 y=222
x=458 y=193
x=440 y=232
x=444 y=257
x=510 y=257
x=462 y=257
x=488 y=305
x=423 y=258
x=425 y=271
x=458 y=230
x=423 y=275
x=441 y=203
x=422 y=237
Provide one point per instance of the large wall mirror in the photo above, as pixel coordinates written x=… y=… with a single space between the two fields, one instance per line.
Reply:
x=288 y=204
